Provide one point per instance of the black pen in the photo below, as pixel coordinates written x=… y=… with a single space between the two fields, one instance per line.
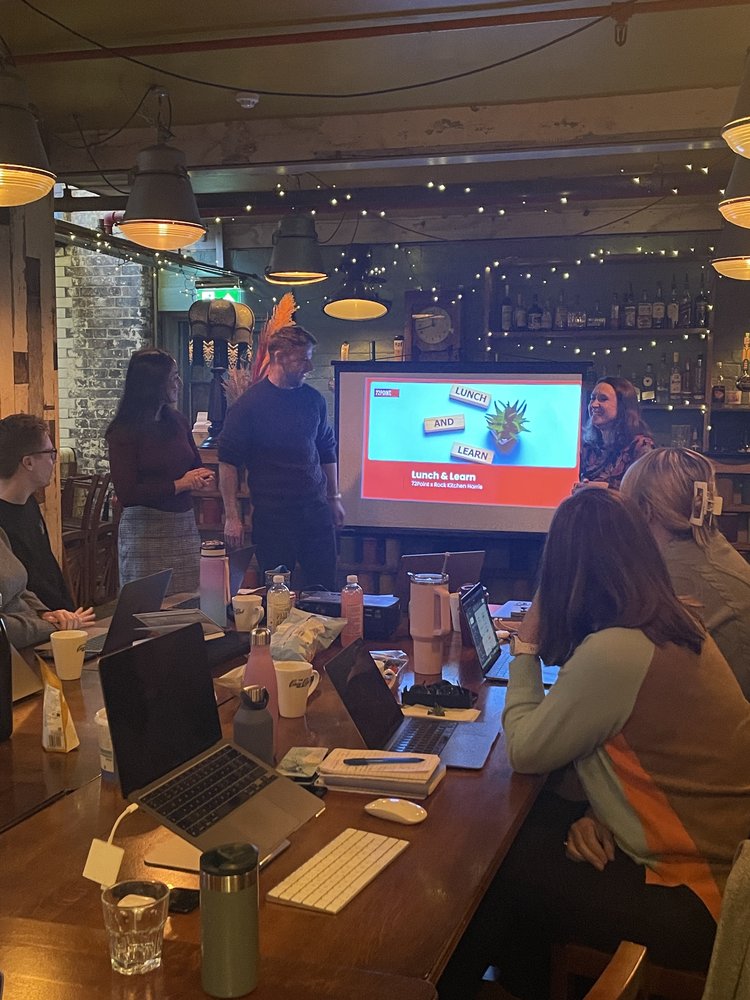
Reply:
x=360 y=761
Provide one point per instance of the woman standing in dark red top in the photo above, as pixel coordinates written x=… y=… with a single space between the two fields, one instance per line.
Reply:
x=154 y=465
x=614 y=436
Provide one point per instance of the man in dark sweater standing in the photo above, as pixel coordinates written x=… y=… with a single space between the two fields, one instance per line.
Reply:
x=278 y=429
x=27 y=460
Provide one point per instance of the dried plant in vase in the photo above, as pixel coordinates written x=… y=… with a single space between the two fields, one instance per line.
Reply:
x=235 y=381
x=282 y=315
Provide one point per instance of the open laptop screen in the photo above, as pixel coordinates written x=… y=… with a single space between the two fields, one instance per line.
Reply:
x=365 y=695
x=161 y=706
x=479 y=620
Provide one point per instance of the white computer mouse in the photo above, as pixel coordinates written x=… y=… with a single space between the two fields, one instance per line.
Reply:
x=396 y=810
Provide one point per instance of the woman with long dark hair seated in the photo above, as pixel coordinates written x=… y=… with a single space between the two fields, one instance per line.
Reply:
x=155 y=465
x=656 y=728
x=614 y=435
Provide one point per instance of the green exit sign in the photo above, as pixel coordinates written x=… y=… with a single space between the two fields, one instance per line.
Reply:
x=235 y=294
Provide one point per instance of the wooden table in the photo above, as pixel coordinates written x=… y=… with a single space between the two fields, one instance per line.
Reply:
x=405 y=925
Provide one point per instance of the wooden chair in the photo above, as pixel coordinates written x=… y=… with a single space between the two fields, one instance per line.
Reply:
x=621 y=979
x=573 y=960
x=81 y=506
x=103 y=573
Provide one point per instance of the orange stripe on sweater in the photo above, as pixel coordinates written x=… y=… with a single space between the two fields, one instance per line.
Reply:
x=680 y=862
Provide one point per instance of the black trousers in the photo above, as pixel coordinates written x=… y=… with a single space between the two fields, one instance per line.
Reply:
x=539 y=898
x=305 y=536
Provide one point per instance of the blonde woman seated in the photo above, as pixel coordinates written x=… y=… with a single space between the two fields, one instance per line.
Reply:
x=703 y=566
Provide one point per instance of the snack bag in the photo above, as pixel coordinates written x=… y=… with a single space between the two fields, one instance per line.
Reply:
x=58 y=731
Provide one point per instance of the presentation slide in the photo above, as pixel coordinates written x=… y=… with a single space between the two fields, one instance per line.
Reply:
x=457 y=450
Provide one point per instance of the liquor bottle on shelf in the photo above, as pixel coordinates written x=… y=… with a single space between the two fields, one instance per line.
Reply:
x=519 y=313
x=614 y=312
x=673 y=306
x=743 y=380
x=675 y=379
x=398 y=347
x=687 y=380
x=635 y=382
x=547 y=316
x=718 y=386
x=701 y=305
x=685 y=319
x=344 y=351
x=659 y=310
x=534 y=314
x=596 y=319
x=645 y=312
x=629 y=320
x=695 y=443
x=662 y=381
x=648 y=385
x=506 y=311
x=699 y=379
x=561 y=313
x=577 y=315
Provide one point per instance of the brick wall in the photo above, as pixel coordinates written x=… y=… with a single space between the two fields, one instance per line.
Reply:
x=105 y=311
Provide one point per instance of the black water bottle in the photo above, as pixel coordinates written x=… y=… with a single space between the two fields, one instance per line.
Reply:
x=6 y=685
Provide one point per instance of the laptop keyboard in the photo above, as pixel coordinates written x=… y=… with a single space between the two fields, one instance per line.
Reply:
x=96 y=643
x=423 y=737
x=340 y=870
x=212 y=788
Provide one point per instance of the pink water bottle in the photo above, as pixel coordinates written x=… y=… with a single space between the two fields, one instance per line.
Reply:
x=260 y=670
x=353 y=609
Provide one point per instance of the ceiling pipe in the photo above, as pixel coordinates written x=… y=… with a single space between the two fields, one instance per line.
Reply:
x=614 y=10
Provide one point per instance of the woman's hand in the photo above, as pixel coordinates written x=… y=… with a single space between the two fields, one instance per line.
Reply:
x=589 y=840
x=195 y=479
x=64 y=620
x=598 y=484
x=528 y=630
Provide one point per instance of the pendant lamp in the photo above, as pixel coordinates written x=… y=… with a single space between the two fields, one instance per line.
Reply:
x=25 y=175
x=735 y=203
x=732 y=257
x=296 y=258
x=356 y=302
x=736 y=133
x=161 y=212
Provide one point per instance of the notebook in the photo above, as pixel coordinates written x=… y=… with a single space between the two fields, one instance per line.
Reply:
x=171 y=758
x=383 y=726
x=145 y=594
x=494 y=657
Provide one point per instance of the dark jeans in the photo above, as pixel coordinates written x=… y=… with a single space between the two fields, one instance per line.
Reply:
x=305 y=536
x=539 y=897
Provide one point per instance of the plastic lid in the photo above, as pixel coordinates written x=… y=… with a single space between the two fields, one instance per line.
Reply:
x=352 y=578
x=260 y=636
x=278 y=578
x=229 y=859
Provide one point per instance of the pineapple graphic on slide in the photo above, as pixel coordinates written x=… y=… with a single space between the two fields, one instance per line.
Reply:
x=506 y=424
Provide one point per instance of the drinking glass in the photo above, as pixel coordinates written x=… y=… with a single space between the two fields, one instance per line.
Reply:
x=134 y=914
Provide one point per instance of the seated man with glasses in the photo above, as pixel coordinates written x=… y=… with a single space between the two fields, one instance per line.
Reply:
x=27 y=460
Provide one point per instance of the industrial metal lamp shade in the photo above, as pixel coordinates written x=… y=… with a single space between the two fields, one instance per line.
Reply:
x=735 y=204
x=732 y=258
x=356 y=303
x=736 y=133
x=162 y=212
x=296 y=258
x=25 y=175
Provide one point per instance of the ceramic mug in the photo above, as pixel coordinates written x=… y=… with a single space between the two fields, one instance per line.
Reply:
x=296 y=680
x=248 y=611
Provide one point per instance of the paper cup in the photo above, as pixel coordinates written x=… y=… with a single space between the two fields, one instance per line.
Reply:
x=296 y=680
x=248 y=611
x=68 y=648
x=455 y=612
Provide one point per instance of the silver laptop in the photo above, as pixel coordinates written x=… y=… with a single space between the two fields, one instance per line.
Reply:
x=494 y=657
x=172 y=761
x=383 y=726
x=136 y=597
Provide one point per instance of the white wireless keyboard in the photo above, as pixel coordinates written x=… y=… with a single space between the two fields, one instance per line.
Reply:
x=338 y=871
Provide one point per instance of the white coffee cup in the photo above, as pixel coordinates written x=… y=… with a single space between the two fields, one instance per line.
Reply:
x=248 y=611
x=68 y=648
x=296 y=680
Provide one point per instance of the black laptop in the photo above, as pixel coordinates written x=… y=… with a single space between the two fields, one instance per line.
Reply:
x=383 y=726
x=494 y=657
x=136 y=597
x=171 y=758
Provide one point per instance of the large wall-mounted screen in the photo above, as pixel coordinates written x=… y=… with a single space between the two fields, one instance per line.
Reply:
x=456 y=449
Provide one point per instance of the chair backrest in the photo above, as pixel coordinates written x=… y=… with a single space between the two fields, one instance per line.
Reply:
x=621 y=979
